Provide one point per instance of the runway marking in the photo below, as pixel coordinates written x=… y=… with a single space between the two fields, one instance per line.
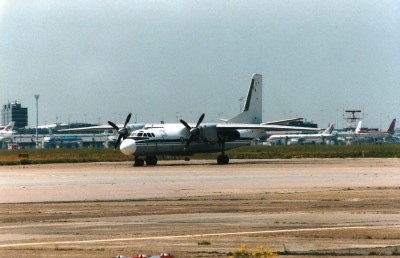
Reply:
x=194 y=235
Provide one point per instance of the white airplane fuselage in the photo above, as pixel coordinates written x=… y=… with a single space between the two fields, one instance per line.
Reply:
x=6 y=136
x=321 y=137
x=293 y=139
x=363 y=135
x=170 y=139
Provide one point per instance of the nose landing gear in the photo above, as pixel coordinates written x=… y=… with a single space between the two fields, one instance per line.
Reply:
x=138 y=162
x=150 y=161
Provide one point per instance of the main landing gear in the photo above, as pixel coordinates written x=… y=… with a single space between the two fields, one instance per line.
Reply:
x=223 y=159
x=150 y=161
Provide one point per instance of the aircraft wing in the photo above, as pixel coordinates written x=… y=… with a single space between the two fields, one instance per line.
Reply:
x=131 y=127
x=285 y=121
x=89 y=128
x=266 y=127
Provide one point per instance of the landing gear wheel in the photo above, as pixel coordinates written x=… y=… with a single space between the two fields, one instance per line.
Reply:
x=138 y=163
x=222 y=159
x=151 y=160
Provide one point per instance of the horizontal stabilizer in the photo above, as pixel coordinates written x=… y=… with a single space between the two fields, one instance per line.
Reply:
x=285 y=121
x=265 y=127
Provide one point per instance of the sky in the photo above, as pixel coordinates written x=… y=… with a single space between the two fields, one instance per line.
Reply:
x=94 y=61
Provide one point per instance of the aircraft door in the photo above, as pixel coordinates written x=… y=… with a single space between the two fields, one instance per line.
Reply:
x=163 y=134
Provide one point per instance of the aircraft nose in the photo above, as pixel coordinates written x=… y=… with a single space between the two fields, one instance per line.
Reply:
x=128 y=146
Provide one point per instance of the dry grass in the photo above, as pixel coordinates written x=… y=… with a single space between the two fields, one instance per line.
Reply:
x=43 y=156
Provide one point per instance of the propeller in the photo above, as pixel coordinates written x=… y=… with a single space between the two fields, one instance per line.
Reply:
x=194 y=131
x=123 y=131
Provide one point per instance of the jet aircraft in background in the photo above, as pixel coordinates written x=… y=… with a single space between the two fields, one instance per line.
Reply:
x=323 y=137
x=347 y=137
x=6 y=133
x=374 y=135
x=128 y=127
x=122 y=129
x=187 y=139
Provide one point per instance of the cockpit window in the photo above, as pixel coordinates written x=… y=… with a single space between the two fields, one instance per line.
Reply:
x=140 y=135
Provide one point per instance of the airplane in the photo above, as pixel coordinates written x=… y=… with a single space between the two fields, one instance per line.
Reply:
x=374 y=135
x=347 y=137
x=289 y=139
x=52 y=141
x=7 y=132
x=125 y=126
x=187 y=139
x=122 y=130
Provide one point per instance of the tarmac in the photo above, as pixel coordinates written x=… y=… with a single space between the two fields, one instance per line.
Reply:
x=297 y=207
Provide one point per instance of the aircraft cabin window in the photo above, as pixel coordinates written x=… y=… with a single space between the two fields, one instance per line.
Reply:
x=152 y=134
x=139 y=134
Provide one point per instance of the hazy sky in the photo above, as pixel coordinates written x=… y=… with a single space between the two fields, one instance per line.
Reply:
x=98 y=60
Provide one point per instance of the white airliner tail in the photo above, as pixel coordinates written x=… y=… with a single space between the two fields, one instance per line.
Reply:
x=252 y=110
x=8 y=128
x=7 y=132
x=329 y=129
x=358 y=128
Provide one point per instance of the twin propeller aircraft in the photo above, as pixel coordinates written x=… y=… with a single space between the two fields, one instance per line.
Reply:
x=187 y=139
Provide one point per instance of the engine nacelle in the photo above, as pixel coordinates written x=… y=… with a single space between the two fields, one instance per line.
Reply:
x=227 y=136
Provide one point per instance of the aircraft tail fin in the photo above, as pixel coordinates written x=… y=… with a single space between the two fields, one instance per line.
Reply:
x=329 y=129
x=50 y=131
x=392 y=126
x=9 y=127
x=252 y=110
x=358 y=128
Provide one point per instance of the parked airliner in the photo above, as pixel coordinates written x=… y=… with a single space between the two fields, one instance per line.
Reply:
x=374 y=135
x=289 y=139
x=187 y=139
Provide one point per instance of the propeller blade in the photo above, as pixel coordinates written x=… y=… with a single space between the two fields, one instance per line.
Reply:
x=118 y=141
x=194 y=131
x=189 y=141
x=124 y=132
x=185 y=124
x=113 y=125
x=127 y=119
x=200 y=119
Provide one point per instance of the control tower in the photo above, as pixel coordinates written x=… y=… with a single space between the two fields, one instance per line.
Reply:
x=14 y=112
x=353 y=116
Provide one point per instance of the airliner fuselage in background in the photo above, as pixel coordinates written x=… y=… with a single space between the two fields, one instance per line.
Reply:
x=362 y=134
x=322 y=137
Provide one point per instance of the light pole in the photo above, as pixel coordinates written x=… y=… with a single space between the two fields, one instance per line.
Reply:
x=37 y=120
